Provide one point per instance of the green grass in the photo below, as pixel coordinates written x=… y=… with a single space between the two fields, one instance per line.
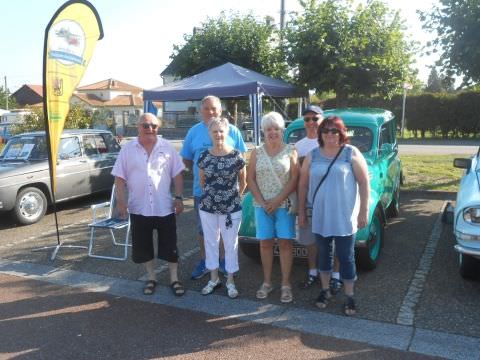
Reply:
x=430 y=172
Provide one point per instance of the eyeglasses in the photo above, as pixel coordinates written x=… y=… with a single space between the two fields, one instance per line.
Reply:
x=148 y=126
x=308 y=119
x=333 y=131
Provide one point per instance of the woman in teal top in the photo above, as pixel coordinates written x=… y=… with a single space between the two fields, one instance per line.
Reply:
x=339 y=205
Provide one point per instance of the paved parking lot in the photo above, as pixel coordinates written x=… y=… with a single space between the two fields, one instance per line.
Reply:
x=415 y=291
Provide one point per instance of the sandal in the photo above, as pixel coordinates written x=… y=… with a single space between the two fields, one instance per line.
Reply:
x=177 y=288
x=149 y=288
x=232 y=291
x=264 y=290
x=322 y=300
x=311 y=280
x=211 y=286
x=349 y=307
x=286 y=294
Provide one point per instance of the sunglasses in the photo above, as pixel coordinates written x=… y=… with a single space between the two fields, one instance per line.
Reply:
x=332 y=131
x=148 y=126
x=308 y=119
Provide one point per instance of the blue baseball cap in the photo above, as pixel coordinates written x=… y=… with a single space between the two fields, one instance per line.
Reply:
x=313 y=108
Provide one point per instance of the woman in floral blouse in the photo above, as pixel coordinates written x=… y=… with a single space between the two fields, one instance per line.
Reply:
x=223 y=179
x=272 y=176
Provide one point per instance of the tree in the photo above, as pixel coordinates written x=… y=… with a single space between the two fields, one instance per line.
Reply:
x=77 y=118
x=434 y=82
x=353 y=51
x=457 y=26
x=439 y=83
x=12 y=104
x=242 y=40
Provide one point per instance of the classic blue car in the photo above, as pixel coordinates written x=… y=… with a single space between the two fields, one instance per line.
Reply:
x=466 y=217
x=373 y=132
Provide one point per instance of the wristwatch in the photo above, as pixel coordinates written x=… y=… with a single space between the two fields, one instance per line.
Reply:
x=178 y=197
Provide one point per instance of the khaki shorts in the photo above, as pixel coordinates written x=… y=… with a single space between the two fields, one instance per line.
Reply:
x=305 y=235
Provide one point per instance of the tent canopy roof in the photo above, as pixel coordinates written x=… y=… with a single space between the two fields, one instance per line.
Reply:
x=225 y=81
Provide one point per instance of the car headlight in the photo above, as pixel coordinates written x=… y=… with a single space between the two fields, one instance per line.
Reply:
x=472 y=215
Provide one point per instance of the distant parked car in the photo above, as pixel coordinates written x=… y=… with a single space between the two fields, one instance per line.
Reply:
x=466 y=216
x=85 y=159
x=373 y=132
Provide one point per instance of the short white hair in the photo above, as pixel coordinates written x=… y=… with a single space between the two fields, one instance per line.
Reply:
x=272 y=119
x=219 y=122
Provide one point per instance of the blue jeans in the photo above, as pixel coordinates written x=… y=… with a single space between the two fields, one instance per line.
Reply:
x=345 y=251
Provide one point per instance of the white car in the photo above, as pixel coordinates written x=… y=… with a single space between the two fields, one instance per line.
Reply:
x=466 y=217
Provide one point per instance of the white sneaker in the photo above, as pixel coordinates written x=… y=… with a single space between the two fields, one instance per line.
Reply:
x=232 y=291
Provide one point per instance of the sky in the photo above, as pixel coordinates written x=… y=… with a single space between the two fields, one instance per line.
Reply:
x=139 y=35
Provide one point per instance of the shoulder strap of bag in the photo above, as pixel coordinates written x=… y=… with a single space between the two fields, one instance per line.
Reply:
x=325 y=176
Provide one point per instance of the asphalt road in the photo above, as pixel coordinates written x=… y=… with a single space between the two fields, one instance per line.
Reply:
x=416 y=287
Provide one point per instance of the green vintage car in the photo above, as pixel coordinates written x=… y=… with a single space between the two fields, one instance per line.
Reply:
x=373 y=132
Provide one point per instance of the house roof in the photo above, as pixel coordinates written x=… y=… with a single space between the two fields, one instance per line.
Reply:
x=29 y=94
x=110 y=84
x=121 y=100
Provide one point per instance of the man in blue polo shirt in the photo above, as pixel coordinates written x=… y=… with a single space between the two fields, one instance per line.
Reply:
x=195 y=143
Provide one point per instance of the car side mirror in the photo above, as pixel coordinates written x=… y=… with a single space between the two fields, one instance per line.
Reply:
x=462 y=163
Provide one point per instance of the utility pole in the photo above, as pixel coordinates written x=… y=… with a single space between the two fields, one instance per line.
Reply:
x=6 y=92
x=282 y=14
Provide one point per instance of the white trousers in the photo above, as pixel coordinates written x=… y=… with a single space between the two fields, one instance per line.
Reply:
x=213 y=225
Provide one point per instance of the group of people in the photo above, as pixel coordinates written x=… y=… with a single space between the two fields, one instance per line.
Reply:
x=325 y=176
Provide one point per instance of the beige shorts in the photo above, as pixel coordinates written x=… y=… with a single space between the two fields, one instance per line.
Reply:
x=305 y=235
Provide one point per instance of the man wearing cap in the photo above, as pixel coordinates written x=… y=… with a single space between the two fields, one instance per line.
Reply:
x=312 y=117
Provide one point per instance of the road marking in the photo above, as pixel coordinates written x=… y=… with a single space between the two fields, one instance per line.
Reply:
x=44 y=234
x=406 y=315
x=164 y=266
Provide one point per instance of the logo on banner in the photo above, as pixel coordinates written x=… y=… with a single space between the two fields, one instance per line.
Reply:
x=67 y=43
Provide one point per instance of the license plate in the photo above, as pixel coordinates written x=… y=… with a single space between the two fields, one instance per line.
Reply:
x=298 y=251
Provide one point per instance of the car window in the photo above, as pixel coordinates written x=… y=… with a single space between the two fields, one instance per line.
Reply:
x=296 y=135
x=69 y=148
x=94 y=145
x=360 y=137
x=112 y=144
x=25 y=147
x=386 y=135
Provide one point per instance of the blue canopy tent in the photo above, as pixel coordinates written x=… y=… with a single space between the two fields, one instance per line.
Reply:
x=225 y=81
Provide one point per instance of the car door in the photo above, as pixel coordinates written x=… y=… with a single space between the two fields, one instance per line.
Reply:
x=388 y=156
x=101 y=150
x=73 y=171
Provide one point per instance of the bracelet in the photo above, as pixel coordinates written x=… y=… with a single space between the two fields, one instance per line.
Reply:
x=178 y=197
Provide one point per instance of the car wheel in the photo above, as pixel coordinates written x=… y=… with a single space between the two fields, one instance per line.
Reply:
x=468 y=266
x=367 y=257
x=393 y=209
x=251 y=250
x=30 y=206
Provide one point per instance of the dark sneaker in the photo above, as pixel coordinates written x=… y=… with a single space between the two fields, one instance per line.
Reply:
x=200 y=270
x=309 y=282
x=335 y=285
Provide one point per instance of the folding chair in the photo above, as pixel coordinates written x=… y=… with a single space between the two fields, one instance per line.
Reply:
x=112 y=223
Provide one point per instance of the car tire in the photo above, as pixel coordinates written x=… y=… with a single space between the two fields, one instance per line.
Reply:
x=30 y=206
x=251 y=250
x=468 y=266
x=367 y=256
x=393 y=209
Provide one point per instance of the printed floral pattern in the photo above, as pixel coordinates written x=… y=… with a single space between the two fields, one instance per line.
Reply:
x=266 y=181
x=220 y=194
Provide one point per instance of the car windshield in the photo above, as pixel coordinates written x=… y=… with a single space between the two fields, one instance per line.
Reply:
x=360 y=137
x=25 y=148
